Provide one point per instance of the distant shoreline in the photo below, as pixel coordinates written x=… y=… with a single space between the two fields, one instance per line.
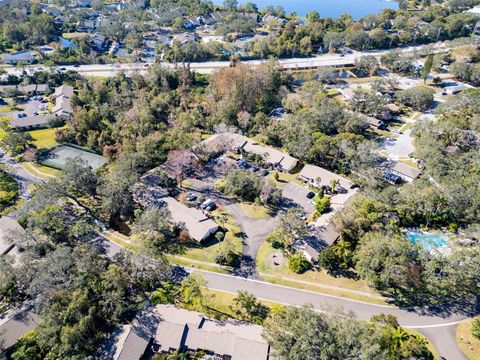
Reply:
x=326 y=8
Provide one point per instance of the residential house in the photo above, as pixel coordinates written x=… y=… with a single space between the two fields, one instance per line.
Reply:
x=62 y=97
x=90 y=14
x=216 y=16
x=10 y=233
x=32 y=89
x=185 y=38
x=199 y=226
x=98 y=42
x=392 y=178
x=14 y=324
x=253 y=16
x=310 y=247
x=51 y=10
x=165 y=329
x=31 y=122
x=81 y=3
x=191 y=23
x=87 y=26
x=150 y=192
x=407 y=173
x=24 y=56
x=373 y=122
x=321 y=178
x=231 y=141
x=269 y=19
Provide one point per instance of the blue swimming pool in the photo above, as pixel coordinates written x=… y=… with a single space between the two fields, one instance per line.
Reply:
x=245 y=38
x=428 y=241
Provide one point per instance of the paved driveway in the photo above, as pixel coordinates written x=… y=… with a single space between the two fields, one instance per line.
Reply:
x=297 y=194
x=402 y=147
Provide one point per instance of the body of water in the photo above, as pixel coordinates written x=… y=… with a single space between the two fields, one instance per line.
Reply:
x=327 y=8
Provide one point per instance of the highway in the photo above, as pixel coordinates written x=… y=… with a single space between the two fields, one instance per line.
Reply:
x=208 y=67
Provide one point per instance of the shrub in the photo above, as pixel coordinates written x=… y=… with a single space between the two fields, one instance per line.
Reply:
x=476 y=327
x=322 y=206
x=298 y=263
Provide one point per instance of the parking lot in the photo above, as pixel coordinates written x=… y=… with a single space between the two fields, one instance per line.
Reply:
x=298 y=194
x=30 y=108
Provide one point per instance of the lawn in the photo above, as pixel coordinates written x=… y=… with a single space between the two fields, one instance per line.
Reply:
x=122 y=240
x=43 y=172
x=74 y=35
x=3 y=119
x=385 y=133
x=284 y=178
x=409 y=163
x=406 y=127
x=217 y=304
x=318 y=281
x=44 y=138
x=254 y=211
x=466 y=341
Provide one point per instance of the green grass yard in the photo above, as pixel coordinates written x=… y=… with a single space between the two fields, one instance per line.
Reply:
x=4 y=122
x=317 y=281
x=254 y=211
x=466 y=341
x=43 y=172
x=44 y=138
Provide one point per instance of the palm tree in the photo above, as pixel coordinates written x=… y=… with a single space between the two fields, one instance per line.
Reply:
x=399 y=336
x=343 y=251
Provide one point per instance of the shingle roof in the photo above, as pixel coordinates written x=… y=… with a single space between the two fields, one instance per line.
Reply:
x=10 y=230
x=64 y=90
x=313 y=173
x=18 y=56
x=232 y=140
x=15 y=324
x=406 y=171
x=181 y=328
x=196 y=223
x=38 y=120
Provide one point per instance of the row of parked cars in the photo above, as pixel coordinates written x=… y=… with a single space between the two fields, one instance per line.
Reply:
x=245 y=165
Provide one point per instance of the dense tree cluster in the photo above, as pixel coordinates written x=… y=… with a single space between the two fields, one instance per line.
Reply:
x=301 y=333
x=79 y=293
x=9 y=189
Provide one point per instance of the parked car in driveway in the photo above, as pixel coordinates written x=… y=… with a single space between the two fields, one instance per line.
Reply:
x=211 y=207
x=310 y=195
x=191 y=196
x=206 y=204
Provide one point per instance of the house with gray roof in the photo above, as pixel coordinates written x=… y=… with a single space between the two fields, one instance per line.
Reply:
x=62 y=97
x=150 y=192
x=31 y=122
x=164 y=329
x=10 y=233
x=24 y=56
x=14 y=324
x=407 y=173
x=230 y=141
x=322 y=178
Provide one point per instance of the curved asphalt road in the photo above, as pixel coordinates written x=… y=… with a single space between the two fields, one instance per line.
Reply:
x=436 y=324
